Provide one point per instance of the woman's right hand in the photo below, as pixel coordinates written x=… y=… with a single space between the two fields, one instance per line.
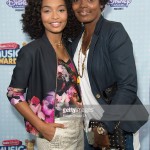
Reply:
x=48 y=130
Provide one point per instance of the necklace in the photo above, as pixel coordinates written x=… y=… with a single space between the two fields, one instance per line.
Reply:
x=59 y=44
x=83 y=63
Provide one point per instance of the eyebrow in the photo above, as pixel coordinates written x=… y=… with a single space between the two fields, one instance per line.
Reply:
x=50 y=6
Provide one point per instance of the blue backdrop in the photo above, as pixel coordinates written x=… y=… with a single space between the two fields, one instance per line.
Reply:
x=134 y=15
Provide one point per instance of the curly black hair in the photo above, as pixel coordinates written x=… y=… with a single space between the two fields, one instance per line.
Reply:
x=103 y=3
x=33 y=26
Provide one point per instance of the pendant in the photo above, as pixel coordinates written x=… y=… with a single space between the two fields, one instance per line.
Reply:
x=78 y=80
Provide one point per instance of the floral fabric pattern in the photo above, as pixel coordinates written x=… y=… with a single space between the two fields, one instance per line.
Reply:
x=65 y=96
x=15 y=95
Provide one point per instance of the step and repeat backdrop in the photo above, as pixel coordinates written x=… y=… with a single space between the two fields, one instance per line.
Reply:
x=133 y=14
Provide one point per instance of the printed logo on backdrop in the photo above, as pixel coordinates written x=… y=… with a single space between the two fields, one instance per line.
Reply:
x=119 y=4
x=18 y=5
x=12 y=145
x=21 y=147
x=8 y=53
x=15 y=144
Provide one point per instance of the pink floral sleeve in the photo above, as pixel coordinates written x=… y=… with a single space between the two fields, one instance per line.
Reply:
x=15 y=95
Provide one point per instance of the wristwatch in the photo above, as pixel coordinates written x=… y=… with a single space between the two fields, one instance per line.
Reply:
x=101 y=129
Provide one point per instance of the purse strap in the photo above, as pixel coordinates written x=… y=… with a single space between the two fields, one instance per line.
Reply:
x=117 y=125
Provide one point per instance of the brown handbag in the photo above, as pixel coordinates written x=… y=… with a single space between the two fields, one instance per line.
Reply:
x=100 y=140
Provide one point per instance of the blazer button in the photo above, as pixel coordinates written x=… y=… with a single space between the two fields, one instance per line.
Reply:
x=98 y=96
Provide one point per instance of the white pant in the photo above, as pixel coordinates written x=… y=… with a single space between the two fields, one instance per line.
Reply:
x=70 y=138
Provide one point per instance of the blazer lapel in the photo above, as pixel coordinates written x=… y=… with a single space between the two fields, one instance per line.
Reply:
x=95 y=38
x=75 y=44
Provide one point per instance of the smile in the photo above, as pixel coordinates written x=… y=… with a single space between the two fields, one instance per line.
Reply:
x=55 y=24
x=84 y=13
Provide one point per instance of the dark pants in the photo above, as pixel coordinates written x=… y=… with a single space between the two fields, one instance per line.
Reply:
x=129 y=143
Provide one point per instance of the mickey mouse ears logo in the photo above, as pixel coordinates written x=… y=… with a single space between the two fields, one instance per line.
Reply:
x=119 y=3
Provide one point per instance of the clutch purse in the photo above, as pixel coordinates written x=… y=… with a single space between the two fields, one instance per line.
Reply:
x=118 y=138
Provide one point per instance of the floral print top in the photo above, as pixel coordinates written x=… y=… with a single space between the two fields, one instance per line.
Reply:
x=56 y=103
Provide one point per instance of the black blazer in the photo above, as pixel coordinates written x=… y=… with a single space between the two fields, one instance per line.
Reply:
x=110 y=61
x=34 y=71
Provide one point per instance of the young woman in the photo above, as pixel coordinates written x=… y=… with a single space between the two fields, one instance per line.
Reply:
x=46 y=74
x=103 y=55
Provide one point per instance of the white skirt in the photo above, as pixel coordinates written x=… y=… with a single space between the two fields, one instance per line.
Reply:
x=70 y=138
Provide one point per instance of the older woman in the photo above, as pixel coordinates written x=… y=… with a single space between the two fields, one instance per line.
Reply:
x=103 y=55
